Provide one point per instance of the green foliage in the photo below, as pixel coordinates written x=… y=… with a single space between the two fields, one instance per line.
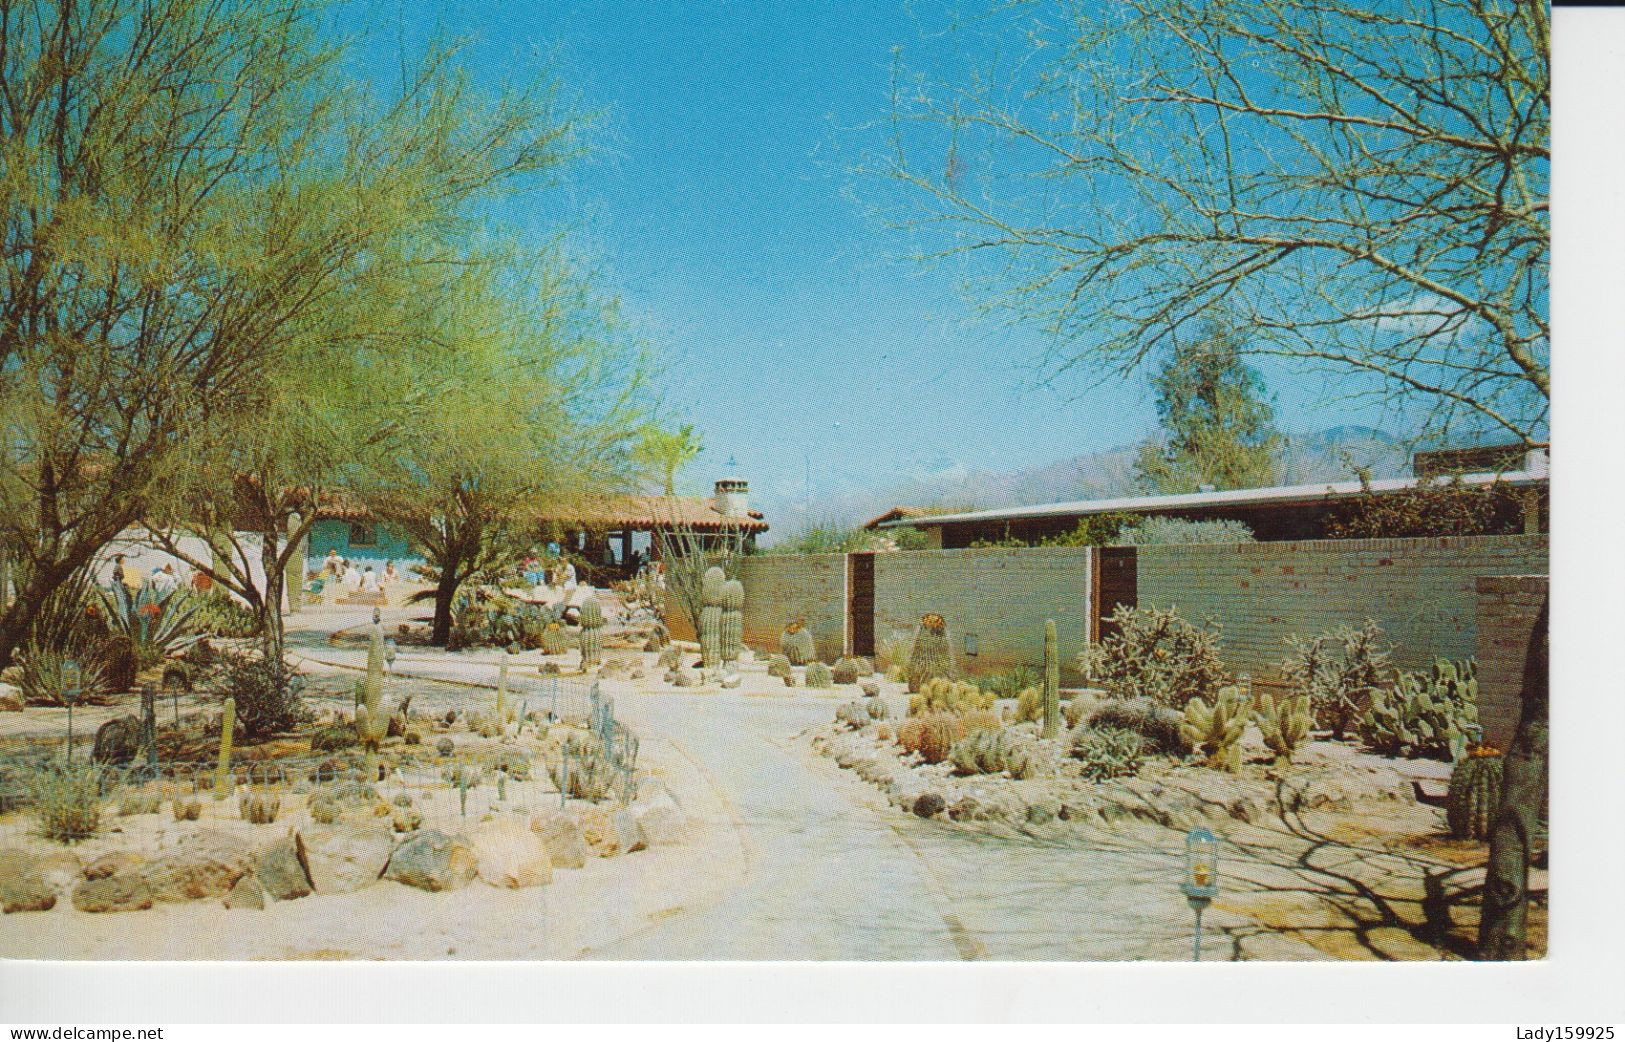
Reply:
x=268 y=692
x=1432 y=508
x=1108 y=752
x=1216 y=419
x=1341 y=672
x=1158 y=725
x=44 y=678
x=1156 y=654
x=820 y=676
x=1012 y=683
x=1094 y=530
x=940 y=695
x=1214 y=731
x=219 y=614
x=796 y=644
x=159 y=624
x=932 y=655
x=67 y=800
x=1475 y=794
x=668 y=450
x=1179 y=531
x=998 y=751
x=1432 y=714
x=1285 y=724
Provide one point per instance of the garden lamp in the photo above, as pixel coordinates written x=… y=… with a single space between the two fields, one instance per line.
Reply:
x=1201 y=883
x=72 y=686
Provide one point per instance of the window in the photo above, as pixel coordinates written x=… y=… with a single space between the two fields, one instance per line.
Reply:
x=363 y=535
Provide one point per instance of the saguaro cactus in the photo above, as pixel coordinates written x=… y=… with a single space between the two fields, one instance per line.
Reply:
x=502 y=688
x=1052 y=680
x=733 y=620
x=222 y=768
x=370 y=722
x=592 y=633
x=711 y=597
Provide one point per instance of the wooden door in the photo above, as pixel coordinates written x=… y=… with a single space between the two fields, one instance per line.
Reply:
x=1116 y=581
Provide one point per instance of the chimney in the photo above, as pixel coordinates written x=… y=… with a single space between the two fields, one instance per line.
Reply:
x=733 y=497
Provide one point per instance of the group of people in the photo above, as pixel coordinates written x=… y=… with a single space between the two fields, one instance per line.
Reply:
x=162 y=579
x=366 y=579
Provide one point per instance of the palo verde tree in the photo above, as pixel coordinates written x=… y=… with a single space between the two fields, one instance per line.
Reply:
x=666 y=450
x=537 y=405
x=1216 y=421
x=1359 y=188
x=183 y=184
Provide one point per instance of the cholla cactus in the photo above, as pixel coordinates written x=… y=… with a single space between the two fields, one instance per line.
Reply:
x=796 y=644
x=733 y=620
x=1285 y=725
x=1108 y=752
x=947 y=696
x=1341 y=672
x=592 y=632
x=1216 y=730
x=820 y=676
x=1475 y=794
x=932 y=655
x=1158 y=655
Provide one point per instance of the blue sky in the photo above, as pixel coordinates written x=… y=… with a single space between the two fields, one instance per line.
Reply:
x=721 y=203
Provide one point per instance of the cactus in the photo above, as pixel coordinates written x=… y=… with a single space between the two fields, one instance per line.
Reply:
x=849 y=669
x=259 y=808
x=1157 y=724
x=592 y=633
x=222 y=768
x=1285 y=725
x=711 y=597
x=820 y=676
x=932 y=735
x=186 y=809
x=1108 y=752
x=1433 y=714
x=1052 y=680
x=554 y=640
x=876 y=708
x=796 y=644
x=997 y=751
x=733 y=620
x=1475 y=794
x=941 y=695
x=932 y=655
x=1216 y=730
x=1029 y=705
x=853 y=715
x=502 y=689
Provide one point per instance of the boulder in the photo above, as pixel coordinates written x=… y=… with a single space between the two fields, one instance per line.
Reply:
x=732 y=680
x=928 y=805
x=347 y=856
x=114 y=893
x=281 y=870
x=508 y=854
x=29 y=881
x=118 y=740
x=611 y=833
x=660 y=820
x=433 y=861
x=870 y=688
x=112 y=863
x=204 y=865
x=248 y=893
x=563 y=839
x=11 y=698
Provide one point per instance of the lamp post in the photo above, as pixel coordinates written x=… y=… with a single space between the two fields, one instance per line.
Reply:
x=1201 y=883
x=72 y=687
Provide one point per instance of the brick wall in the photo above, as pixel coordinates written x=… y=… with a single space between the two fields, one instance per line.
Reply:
x=1002 y=596
x=779 y=589
x=1423 y=592
x=1507 y=606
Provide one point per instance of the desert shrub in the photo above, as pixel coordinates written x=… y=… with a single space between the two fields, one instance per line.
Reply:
x=157 y=624
x=1158 y=725
x=1011 y=683
x=947 y=696
x=1340 y=671
x=932 y=735
x=67 y=800
x=219 y=614
x=1431 y=508
x=268 y=693
x=44 y=675
x=1108 y=752
x=981 y=720
x=1158 y=655
x=894 y=653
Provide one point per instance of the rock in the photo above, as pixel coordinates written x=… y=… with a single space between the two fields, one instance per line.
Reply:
x=563 y=839
x=11 y=698
x=660 y=820
x=347 y=856
x=445 y=747
x=115 y=893
x=683 y=678
x=432 y=861
x=281 y=870
x=732 y=680
x=625 y=833
x=508 y=854
x=29 y=882
x=206 y=864
x=118 y=740
x=248 y=893
x=1043 y=812
x=870 y=688
x=112 y=863
x=406 y=819
x=928 y=805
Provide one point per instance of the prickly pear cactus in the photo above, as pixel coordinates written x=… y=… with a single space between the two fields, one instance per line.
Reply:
x=1215 y=731
x=1285 y=725
x=1432 y=714
x=592 y=633
x=820 y=676
x=932 y=655
x=796 y=644
x=1475 y=794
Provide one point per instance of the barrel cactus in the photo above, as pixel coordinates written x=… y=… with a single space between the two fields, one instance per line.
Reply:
x=1475 y=794
x=733 y=620
x=932 y=655
x=1215 y=731
x=796 y=644
x=820 y=676
x=592 y=633
x=849 y=669
x=259 y=807
x=778 y=666
x=555 y=641
x=932 y=735
x=941 y=695
x=711 y=597
x=1285 y=725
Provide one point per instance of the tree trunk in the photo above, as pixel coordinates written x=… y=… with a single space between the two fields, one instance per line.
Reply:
x=445 y=590
x=1501 y=930
x=18 y=617
x=275 y=578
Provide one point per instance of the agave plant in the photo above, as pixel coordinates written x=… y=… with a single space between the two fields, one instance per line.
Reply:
x=159 y=624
